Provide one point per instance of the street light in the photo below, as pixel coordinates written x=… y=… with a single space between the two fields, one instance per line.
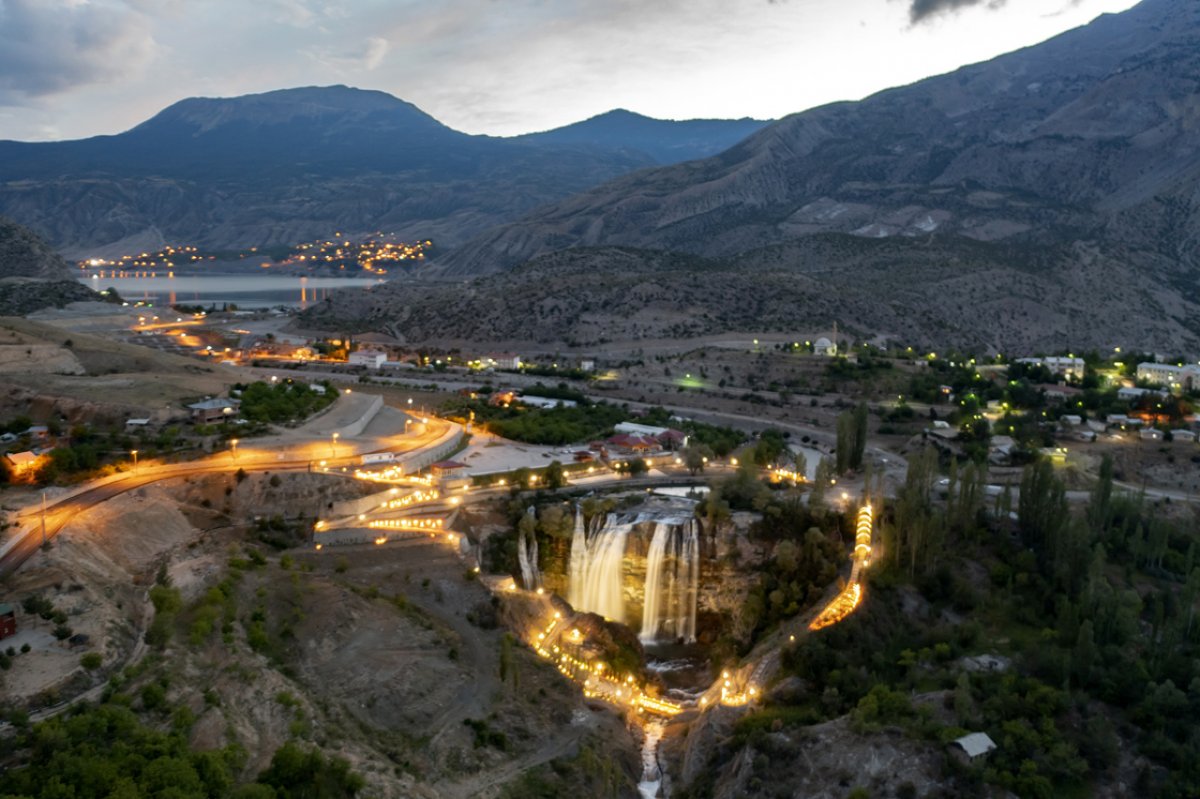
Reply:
x=134 y=453
x=332 y=445
x=233 y=442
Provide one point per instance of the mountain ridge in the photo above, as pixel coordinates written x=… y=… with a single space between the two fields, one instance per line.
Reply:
x=284 y=166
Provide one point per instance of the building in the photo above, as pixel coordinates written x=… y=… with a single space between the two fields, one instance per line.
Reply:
x=447 y=468
x=143 y=422
x=213 y=410
x=626 y=442
x=1151 y=434
x=1066 y=366
x=824 y=346
x=8 y=621
x=1072 y=419
x=587 y=365
x=502 y=360
x=639 y=429
x=1165 y=374
x=373 y=359
x=673 y=440
x=970 y=748
x=546 y=402
x=23 y=466
x=1184 y=435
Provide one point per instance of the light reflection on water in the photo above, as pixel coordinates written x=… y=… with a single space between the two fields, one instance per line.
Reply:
x=246 y=291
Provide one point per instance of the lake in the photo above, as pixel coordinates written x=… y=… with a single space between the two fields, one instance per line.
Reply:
x=247 y=291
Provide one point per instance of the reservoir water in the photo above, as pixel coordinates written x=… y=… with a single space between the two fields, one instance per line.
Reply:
x=246 y=291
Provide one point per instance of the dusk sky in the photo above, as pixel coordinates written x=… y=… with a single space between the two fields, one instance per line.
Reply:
x=74 y=68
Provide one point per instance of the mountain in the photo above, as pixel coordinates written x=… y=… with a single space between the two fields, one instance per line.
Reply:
x=667 y=142
x=934 y=293
x=1093 y=136
x=286 y=166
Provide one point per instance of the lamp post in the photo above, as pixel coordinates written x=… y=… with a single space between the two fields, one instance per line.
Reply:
x=233 y=442
x=333 y=445
x=134 y=453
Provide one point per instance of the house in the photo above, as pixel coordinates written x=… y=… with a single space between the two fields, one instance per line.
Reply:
x=214 y=409
x=1150 y=434
x=1117 y=419
x=502 y=360
x=317 y=388
x=1072 y=419
x=970 y=748
x=587 y=365
x=22 y=466
x=824 y=346
x=447 y=468
x=584 y=456
x=673 y=440
x=1183 y=435
x=372 y=359
x=626 y=442
x=39 y=431
x=502 y=399
x=137 y=422
x=8 y=621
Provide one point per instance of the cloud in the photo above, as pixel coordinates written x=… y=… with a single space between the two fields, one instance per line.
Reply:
x=921 y=10
x=377 y=48
x=51 y=46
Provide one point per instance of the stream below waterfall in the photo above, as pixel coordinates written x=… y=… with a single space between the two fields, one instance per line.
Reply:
x=651 y=781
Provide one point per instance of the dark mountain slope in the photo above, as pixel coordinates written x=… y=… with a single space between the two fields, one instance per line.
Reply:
x=1090 y=136
x=281 y=167
x=32 y=275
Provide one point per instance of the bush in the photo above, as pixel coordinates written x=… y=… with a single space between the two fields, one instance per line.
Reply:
x=91 y=661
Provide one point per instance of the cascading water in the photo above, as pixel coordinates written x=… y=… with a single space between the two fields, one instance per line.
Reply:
x=594 y=570
x=577 y=566
x=527 y=552
x=672 y=579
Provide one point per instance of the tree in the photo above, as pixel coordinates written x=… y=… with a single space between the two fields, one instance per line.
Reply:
x=1042 y=510
x=695 y=457
x=555 y=476
x=860 y=436
x=845 y=441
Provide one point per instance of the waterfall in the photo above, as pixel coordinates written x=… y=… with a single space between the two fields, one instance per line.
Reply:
x=672 y=581
x=527 y=552
x=595 y=569
x=651 y=607
x=577 y=567
x=651 y=782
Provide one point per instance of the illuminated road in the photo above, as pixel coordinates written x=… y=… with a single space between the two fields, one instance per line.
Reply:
x=59 y=513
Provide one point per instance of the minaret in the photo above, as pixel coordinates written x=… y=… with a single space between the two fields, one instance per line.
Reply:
x=835 y=338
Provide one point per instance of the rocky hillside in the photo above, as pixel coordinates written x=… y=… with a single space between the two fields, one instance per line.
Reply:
x=937 y=292
x=286 y=166
x=32 y=275
x=1089 y=137
x=24 y=254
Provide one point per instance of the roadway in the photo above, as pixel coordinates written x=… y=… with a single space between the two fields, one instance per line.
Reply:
x=59 y=512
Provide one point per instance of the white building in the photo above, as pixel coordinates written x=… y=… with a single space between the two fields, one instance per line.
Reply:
x=502 y=360
x=1151 y=434
x=972 y=747
x=1184 y=435
x=824 y=346
x=546 y=402
x=1165 y=374
x=1068 y=367
x=370 y=358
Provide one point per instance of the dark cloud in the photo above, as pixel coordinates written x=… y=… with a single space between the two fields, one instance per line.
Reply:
x=50 y=46
x=921 y=10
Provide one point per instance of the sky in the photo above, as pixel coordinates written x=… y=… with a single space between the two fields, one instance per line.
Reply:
x=76 y=68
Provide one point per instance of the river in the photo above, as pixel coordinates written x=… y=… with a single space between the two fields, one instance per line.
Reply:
x=246 y=291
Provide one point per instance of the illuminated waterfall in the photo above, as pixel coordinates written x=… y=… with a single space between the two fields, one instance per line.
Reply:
x=595 y=569
x=577 y=567
x=527 y=554
x=672 y=580
x=595 y=574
